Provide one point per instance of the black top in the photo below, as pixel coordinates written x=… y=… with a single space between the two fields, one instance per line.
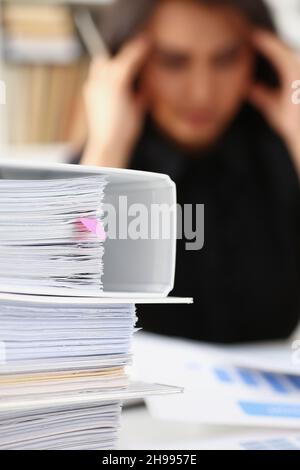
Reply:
x=246 y=280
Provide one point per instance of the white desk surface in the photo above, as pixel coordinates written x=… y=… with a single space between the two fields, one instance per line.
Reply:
x=140 y=431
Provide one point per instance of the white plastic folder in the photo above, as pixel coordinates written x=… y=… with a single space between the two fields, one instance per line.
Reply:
x=45 y=249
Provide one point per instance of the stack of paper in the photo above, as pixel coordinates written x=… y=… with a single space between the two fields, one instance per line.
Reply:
x=36 y=332
x=64 y=348
x=45 y=244
x=62 y=372
x=74 y=427
x=54 y=351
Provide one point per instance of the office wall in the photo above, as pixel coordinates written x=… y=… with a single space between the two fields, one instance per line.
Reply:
x=287 y=15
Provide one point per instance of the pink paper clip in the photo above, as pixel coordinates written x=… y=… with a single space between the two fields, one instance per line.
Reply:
x=94 y=226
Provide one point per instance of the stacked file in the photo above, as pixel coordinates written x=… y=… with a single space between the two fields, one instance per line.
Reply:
x=54 y=352
x=67 y=230
x=41 y=230
x=62 y=372
x=65 y=341
x=37 y=331
x=63 y=428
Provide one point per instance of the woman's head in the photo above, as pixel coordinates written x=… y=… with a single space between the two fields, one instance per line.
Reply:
x=201 y=64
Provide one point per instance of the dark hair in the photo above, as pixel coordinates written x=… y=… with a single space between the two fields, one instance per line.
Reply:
x=124 y=18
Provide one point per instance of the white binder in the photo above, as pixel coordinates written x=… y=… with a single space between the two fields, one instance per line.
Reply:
x=132 y=268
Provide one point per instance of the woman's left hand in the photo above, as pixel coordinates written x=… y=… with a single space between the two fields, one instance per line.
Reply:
x=278 y=106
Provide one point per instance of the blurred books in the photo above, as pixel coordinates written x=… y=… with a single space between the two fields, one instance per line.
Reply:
x=40 y=34
x=44 y=68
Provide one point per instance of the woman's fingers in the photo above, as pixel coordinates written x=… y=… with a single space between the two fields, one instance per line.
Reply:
x=125 y=66
x=115 y=114
x=132 y=56
x=277 y=105
x=96 y=66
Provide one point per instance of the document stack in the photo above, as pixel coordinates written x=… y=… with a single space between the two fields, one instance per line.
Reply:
x=41 y=232
x=67 y=303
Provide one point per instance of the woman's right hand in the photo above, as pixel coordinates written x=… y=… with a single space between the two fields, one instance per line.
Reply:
x=115 y=112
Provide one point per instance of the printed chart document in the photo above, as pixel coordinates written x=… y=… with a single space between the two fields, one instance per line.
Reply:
x=217 y=389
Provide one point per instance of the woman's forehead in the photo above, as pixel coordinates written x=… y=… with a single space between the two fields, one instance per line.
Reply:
x=185 y=24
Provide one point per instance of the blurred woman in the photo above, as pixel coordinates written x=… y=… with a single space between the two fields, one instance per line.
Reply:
x=202 y=90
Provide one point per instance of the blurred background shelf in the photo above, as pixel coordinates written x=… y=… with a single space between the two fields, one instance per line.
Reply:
x=44 y=64
x=54 y=153
x=58 y=2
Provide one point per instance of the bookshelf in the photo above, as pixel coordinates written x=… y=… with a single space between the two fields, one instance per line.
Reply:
x=44 y=65
x=58 y=2
x=44 y=104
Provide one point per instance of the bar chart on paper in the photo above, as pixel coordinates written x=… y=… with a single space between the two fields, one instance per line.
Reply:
x=217 y=389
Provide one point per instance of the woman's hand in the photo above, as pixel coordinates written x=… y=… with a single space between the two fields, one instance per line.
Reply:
x=277 y=105
x=114 y=111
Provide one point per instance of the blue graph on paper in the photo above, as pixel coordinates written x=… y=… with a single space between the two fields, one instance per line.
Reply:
x=280 y=384
x=272 y=444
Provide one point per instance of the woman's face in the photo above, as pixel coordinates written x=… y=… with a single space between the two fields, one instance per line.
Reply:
x=200 y=70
